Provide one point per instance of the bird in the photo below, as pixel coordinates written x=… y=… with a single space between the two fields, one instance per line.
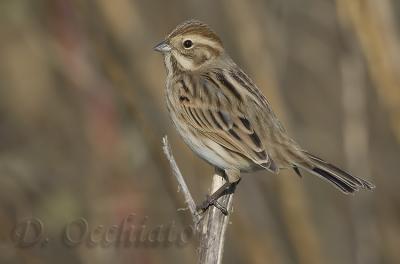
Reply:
x=223 y=117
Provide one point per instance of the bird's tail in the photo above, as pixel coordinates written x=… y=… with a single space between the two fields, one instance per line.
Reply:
x=339 y=178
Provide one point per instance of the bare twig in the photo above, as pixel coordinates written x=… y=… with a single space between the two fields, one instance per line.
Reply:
x=214 y=223
x=182 y=184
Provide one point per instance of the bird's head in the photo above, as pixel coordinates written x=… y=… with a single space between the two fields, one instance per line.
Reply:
x=191 y=46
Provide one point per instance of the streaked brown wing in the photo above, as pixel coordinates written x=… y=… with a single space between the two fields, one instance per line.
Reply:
x=210 y=111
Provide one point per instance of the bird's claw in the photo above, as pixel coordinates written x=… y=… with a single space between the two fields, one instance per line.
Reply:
x=209 y=202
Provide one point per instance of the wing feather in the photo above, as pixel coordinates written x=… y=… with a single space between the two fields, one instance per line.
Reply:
x=213 y=114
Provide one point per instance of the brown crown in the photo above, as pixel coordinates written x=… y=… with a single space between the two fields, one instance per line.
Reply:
x=196 y=27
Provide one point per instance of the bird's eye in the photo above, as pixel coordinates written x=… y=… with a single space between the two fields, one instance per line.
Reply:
x=187 y=44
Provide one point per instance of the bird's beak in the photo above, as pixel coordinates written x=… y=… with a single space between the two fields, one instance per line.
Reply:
x=162 y=47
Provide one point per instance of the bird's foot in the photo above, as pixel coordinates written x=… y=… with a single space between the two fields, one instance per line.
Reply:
x=211 y=201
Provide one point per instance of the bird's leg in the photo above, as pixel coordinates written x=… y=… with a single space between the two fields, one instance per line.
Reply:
x=212 y=199
x=227 y=188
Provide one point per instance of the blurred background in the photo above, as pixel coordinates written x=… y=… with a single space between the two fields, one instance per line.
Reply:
x=82 y=116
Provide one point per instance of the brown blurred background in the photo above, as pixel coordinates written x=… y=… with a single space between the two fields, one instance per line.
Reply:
x=82 y=116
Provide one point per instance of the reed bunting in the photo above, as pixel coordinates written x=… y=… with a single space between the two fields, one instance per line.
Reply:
x=223 y=117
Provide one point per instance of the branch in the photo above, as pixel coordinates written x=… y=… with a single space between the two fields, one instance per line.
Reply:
x=182 y=184
x=213 y=224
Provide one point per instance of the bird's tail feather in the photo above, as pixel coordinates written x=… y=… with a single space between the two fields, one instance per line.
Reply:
x=336 y=176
